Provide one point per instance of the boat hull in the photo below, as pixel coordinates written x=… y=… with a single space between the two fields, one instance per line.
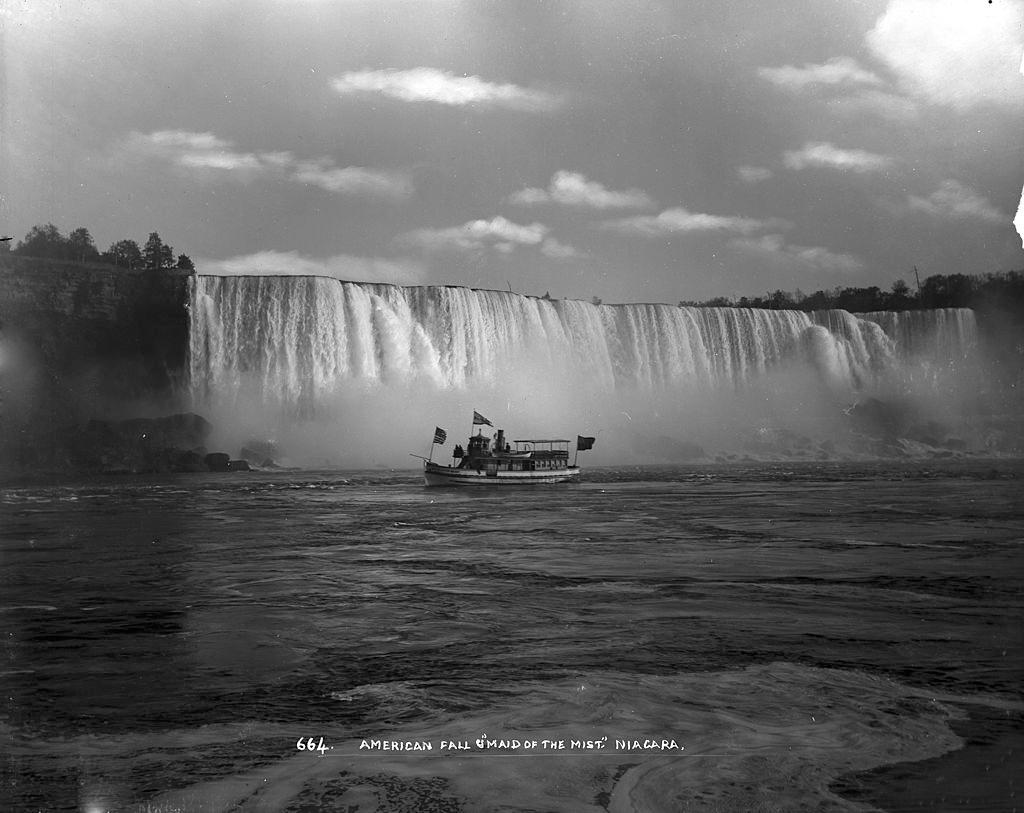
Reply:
x=436 y=475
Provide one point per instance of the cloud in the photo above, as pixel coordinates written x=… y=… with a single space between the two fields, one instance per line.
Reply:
x=353 y=180
x=441 y=87
x=197 y=151
x=679 y=219
x=823 y=154
x=957 y=54
x=954 y=201
x=208 y=152
x=499 y=233
x=749 y=174
x=837 y=71
x=773 y=248
x=339 y=266
x=530 y=196
x=574 y=189
x=557 y=250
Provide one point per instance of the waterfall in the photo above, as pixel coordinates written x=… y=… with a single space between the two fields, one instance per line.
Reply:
x=942 y=334
x=320 y=348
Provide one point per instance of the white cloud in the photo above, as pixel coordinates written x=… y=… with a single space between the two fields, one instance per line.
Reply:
x=339 y=266
x=530 y=196
x=558 y=250
x=953 y=200
x=773 y=248
x=679 y=219
x=953 y=52
x=822 y=154
x=837 y=71
x=195 y=151
x=353 y=180
x=441 y=87
x=749 y=174
x=205 y=151
x=184 y=140
x=574 y=189
x=500 y=233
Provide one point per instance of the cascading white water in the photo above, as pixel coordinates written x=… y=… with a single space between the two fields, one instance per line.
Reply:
x=320 y=349
x=949 y=334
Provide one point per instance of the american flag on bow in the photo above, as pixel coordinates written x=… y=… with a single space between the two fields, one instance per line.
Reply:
x=440 y=436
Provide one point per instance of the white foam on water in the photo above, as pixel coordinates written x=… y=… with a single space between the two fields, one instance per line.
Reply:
x=769 y=737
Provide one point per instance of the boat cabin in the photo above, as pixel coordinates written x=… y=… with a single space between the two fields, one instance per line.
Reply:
x=528 y=455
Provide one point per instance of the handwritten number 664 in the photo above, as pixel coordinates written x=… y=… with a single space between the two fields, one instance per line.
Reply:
x=310 y=744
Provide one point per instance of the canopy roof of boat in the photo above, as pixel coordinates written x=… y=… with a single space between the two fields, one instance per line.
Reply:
x=540 y=441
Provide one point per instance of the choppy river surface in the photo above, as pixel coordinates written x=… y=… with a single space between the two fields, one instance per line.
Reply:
x=768 y=637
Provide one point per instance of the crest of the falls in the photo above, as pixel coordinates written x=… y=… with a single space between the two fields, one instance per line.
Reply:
x=318 y=348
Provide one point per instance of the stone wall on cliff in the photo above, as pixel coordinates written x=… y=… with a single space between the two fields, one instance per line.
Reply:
x=81 y=341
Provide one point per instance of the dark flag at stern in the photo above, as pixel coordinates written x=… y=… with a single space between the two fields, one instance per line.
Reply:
x=440 y=436
x=582 y=443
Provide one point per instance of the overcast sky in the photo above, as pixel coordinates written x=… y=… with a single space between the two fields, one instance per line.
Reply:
x=635 y=151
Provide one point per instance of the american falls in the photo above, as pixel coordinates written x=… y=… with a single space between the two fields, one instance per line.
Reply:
x=359 y=374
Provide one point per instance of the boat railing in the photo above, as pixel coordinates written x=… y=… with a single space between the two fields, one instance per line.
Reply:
x=538 y=446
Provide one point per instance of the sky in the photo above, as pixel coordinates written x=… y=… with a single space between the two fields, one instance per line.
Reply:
x=631 y=151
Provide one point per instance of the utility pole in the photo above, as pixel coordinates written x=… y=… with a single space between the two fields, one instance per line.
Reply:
x=917 y=277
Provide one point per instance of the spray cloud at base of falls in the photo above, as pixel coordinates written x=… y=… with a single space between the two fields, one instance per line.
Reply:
x=358 y=374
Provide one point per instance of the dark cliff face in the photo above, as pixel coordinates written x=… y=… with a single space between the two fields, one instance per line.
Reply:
x=82 y=341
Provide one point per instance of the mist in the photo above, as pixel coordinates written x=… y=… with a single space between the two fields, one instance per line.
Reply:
x=358 y=375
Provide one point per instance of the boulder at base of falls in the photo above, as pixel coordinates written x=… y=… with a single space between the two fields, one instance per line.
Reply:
x=878 y=419
x=218 y=461
x=264 y=454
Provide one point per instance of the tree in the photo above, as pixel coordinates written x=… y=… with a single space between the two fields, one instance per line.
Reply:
x=952 y=291
x=44 y=241
x=779 y=300
x=81 y=246
x=155 y=255
x=185 y=263
x=900 y=298
x=124 y=253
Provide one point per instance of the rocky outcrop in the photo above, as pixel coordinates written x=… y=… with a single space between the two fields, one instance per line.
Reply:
x=79 y=341
x=217 y=461
x=264 y=454
x=879 y=419
x=140 y=445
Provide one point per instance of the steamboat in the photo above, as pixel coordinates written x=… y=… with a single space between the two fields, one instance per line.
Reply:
x=495 y=461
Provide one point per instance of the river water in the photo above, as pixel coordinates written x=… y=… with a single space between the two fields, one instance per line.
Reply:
x=759 y=637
